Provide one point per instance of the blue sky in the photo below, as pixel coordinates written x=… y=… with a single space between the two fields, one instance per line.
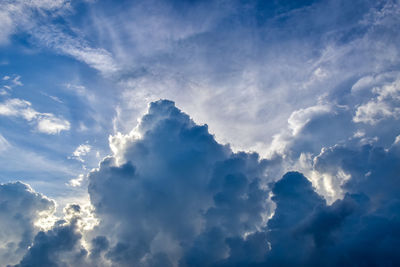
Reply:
x=306 y=86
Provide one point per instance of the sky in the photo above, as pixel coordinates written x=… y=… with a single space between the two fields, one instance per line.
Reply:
x=199 y=133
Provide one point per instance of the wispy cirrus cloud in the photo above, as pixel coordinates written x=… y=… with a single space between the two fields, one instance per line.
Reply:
x=35 y=18
x=19 y=15
x=246 y=91
x=9 y=82
x=3 y=143
x=77 y=47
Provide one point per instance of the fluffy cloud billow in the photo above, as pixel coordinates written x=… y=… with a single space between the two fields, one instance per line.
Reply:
x=362 y=229
x=20 y=209
x=170 y=195
x=180 y=189
x=59 y=246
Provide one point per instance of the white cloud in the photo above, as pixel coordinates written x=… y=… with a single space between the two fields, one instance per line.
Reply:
x=54 y=98
x=80 y=151
x=299 y=118
x=49 y=124
x=17 y=81
x=76 y=47
x=17 y=107
x=9 y=82
x=77 y=181
x=385 y=104
x=23 y=15
x=375 y=111
x=295 y=124
x=18 y=14
x=248 y=95
x=45 y=122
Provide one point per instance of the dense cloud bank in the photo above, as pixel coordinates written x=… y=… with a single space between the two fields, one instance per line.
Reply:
x=170 y=195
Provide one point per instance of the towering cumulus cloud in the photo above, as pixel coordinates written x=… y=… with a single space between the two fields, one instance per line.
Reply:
x=170 y=195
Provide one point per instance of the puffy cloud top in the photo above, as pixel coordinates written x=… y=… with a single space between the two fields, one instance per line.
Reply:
x=177 y=185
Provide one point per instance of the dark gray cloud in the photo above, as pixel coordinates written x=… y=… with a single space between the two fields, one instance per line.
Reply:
x=59 y=246
x=20 y=208
x=361 y=229
x=173 y=189
x=353 y=231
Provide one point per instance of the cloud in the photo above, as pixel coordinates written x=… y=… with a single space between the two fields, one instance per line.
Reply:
x=77 y=181
x=9 y=82
x=3 y=143
x=178 y=186
x=299 y=118
x=78 y=48
x=295 y=199
x=384 y=105
x=246 y=91
x=81 y=151
x=234 y=229
x=170 y=195
x=45 y=122
x=59 y=246
x=364 y=113
x=49 y=124
x=19 y=14
x=361 y=228
x=21 y=208
x=37 y=19
x=16 y=81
